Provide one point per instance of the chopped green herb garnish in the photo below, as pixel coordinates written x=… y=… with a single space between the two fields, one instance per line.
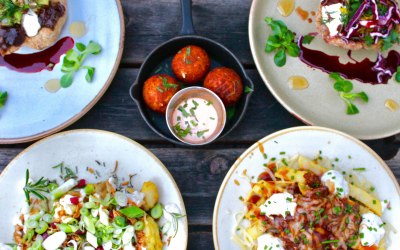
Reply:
x=201 y=133
x=168 y=85
x=247 y=89
x=159 y=89
x=180 y=131
x=187 y=55
x=359 y=169
x=329 y=241
x=183 y=111
x=230 y=112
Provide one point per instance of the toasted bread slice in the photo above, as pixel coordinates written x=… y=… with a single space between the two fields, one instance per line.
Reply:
x=45 y=37
x=337 y=40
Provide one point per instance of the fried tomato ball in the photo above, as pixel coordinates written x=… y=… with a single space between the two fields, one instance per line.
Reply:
x=226 y=83
x=191 y=64
x=158 y=91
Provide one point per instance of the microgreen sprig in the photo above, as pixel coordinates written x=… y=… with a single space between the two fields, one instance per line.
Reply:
x=38 y=188
x=3 y=98
x=397 y=75
x=73 y=61
x=281 y=40
x=344 y=87
x=390 y=40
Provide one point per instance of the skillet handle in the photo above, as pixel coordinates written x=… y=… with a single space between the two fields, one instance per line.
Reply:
x=187 y=22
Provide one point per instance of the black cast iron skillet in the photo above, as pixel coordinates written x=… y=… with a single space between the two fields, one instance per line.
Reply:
x=159 y=61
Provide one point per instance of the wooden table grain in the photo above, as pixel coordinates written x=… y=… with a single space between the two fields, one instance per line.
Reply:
x=197 y=171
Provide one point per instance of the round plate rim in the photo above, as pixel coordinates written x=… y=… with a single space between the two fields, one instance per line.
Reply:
x=90 y=105
x=97 y=131
x=280 y=133
x=280 y=100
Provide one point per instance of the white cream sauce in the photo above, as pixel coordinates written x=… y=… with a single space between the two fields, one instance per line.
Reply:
x=197 y=117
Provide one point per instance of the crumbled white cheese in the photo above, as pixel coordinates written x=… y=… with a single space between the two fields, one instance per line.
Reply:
x=270 y=242
x=371 y=229
x=103 y=216
x=67 y=205
x=91 y=239
x=128 y=234
x=279 y=204
x=107 y=245
x=136 y=197
x=336 y=183
x=30 y=23
x=331 y=17
x=54 y=241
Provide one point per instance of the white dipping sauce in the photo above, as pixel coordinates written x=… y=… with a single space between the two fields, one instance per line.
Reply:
x=195 y=120
x=279 y=204
x=269 y=242
x=371 y=230
x=336 y=183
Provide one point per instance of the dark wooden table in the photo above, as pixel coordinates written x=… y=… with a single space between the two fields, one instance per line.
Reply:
x=200 y=171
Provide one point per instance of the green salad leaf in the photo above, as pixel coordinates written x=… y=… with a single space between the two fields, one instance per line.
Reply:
x=3 y=98
x=397 y=75
x=74 y=59
x=344 y=88
x=281 y=41
x=132 y=212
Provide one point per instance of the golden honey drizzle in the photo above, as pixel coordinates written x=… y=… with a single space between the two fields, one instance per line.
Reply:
x=298 y=82
x=52 y=85
x=392 y=105
x=77 y=29
x=285 y=7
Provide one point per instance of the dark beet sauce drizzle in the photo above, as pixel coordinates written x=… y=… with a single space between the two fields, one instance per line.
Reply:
x=362 y=71
x=36 y=62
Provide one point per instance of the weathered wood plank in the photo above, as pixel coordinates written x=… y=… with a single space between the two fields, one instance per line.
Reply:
x=151 y=22
x=200 y=241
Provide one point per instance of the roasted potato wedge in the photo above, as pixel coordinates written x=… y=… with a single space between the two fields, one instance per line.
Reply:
x=305 y=163
x=152 y=234
x=366 y=199
x=150 y=195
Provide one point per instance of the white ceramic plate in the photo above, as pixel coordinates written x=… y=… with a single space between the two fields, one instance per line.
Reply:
x=306 y=141
x=81 y=148
x=320 y=104
x=31 y=112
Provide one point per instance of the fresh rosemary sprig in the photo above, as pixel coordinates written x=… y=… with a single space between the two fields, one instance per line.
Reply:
x=65 y=172
x=37 y=188
x=175 y=218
